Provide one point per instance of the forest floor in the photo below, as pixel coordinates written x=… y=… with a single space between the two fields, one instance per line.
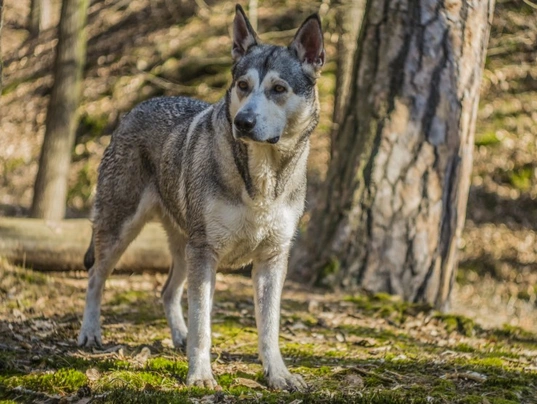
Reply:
x=349 y=349
x=381 y=349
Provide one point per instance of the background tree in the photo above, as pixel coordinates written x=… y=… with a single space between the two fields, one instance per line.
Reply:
x=50 y=188
x=349 y=16
x=1 y=23
x=34 y=18
x=393 y=205
x=40 y=16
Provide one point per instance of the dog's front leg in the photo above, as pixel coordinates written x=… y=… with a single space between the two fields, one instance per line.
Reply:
x=201 y=267
x=268 y=278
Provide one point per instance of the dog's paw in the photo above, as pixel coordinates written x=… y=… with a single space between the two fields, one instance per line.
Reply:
x=179 y=339
x=202 y=381
x=285 y=380
x=90 y=338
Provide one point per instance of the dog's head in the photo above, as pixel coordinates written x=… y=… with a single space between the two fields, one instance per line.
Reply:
x=273 y=96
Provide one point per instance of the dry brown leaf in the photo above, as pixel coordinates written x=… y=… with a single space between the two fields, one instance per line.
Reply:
x=93 y=374
x=251 y=384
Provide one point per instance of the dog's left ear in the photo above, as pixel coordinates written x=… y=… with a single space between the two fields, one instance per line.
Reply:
x=309 y=44
x=244 y=36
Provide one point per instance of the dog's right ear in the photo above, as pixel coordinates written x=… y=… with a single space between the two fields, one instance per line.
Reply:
x=244 y=36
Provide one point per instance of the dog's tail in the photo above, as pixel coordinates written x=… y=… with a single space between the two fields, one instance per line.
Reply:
x=89 y=257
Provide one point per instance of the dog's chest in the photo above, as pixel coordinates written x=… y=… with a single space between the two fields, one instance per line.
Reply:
x=240 y=233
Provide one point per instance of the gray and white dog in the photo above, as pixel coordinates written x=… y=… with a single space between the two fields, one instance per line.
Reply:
x=228 y=182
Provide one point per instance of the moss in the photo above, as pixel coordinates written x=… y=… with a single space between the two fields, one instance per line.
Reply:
x=137 y=380
x=92 y=125
x=62 y=381
x=80 y=192
x=457 y=323
x=521 y=178
x=12 y=165
x=328 y=273
x=514 y=332
x=130 y=297
x=487 y=139
x=293 y=349
x=176 y=368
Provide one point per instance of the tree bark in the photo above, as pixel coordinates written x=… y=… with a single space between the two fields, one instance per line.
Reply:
x=349 y=16
x=34 y=18
x=45 y=18
x=51 y=182
x=60 y=246
x=1 y=59
x=394 y=202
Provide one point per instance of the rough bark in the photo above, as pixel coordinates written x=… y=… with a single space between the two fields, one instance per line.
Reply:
x=51 y=182
x=34 y=18
x=394 y=202
x=349 y=16
x=60 y=246
x=1 y=59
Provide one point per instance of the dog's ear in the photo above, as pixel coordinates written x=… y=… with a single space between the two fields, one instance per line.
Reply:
x=244 y=36
x=309 y=44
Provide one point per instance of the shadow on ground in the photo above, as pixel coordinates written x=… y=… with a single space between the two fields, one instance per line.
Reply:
x=354 y=349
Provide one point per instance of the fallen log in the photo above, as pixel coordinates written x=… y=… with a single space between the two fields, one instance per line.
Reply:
x=60 y=246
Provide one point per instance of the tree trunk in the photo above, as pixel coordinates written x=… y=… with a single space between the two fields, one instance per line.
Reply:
x=34 y=18
x=46 y=14
x=60 y=246
x=51 y=182
x=1 y=59
x=252 y=13
x=394 y=202
x=349 y=16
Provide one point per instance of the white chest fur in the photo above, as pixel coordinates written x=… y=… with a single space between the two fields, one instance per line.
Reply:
x=242 y=232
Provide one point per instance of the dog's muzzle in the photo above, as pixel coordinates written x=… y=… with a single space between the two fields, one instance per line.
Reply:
x=245 y=128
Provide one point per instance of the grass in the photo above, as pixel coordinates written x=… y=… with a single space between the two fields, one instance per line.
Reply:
x=359 y=349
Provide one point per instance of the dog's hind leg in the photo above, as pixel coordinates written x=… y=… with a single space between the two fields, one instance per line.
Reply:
x=89 y=257
x=113 y=231
x=173 y=288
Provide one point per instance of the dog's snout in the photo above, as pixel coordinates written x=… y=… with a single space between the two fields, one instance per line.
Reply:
x=245 y=122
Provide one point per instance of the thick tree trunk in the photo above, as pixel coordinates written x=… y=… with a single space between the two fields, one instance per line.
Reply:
x=394 y=203
x=349 y=16
x=34 y=18
x=51 y=183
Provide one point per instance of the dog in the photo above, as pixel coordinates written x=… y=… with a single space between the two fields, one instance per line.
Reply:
x=228 y=182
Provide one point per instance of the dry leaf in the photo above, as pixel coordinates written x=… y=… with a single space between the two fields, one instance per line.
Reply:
x=252 y=384
x=93 y=374
x=354 y=381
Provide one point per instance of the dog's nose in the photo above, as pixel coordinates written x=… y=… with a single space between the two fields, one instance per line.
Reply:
x=245 y=122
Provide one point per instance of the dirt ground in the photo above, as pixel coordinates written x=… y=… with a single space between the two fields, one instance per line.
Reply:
x=370 y=349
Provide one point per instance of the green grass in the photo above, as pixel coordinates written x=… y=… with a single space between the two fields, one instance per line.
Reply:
x=487 y=139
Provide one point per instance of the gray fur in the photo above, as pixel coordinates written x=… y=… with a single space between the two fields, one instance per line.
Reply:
x=227 y=195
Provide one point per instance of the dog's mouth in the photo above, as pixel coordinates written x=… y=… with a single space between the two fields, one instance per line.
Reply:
x=251 y=136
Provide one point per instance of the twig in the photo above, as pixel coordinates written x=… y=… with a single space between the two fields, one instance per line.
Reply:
x=369 y=373
x=529 y=3
x=166 y=84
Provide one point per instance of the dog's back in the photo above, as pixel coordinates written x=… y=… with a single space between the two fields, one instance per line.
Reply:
x=131 y=161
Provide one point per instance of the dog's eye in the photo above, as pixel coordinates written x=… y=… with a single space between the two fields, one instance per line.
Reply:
x=243 y=85
x=278 y=88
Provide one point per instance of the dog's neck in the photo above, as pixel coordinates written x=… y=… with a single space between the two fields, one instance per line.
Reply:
x=268 y=171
